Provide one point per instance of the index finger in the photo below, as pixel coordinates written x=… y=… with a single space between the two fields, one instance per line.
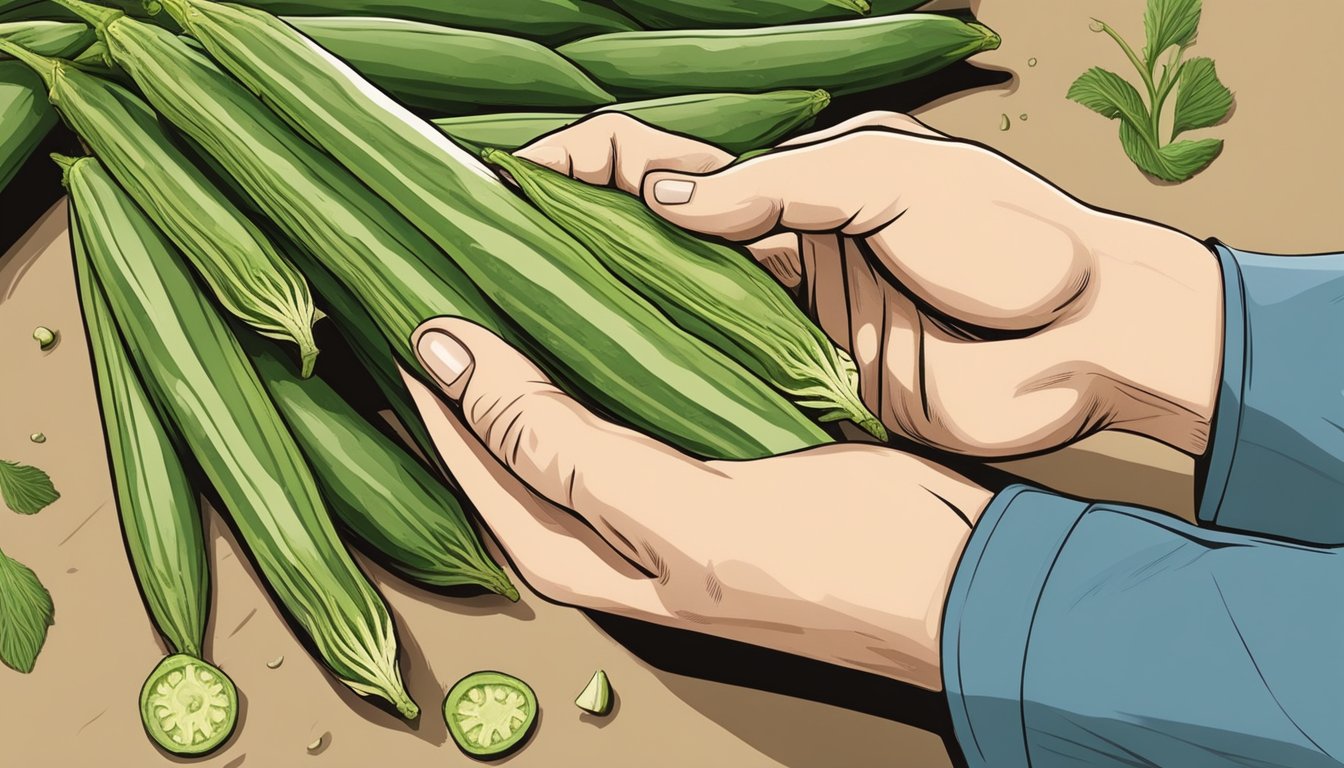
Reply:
x=611 y=149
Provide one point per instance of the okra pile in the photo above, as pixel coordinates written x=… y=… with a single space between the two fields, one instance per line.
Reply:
x=262 y=179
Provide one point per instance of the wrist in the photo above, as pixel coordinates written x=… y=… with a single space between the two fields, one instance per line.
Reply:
x=1157 y=318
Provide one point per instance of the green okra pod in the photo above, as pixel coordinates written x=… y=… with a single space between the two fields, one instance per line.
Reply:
x=842 y=57
x=736 y=122
x=242 y=268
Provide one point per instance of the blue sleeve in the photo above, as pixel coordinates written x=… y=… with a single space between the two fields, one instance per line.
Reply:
x=1102 y=635
x=1276 y=463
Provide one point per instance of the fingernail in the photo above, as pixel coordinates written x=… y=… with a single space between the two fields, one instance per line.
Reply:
x=673 y=191
x=447 y=360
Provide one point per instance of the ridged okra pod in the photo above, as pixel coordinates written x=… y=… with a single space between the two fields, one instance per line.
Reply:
x=453 y=71
x=244 y=271
x=736 y=122
x=708 y=289
x=603 y=340
x=841 y=56
x=199 y=377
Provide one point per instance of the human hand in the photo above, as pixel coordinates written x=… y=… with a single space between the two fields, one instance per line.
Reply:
x=989 y=312
x=843 y=553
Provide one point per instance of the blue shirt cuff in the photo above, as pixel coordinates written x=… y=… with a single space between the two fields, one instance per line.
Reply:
x=988 y=618
x=1275 y=465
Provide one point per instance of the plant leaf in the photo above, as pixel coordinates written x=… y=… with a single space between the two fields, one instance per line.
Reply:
x=1183 y=159
x=1109 y=95
x=1141 y=150
x=25 y=613
x=25 y=489
x=1202 y=100
x=1168 y=23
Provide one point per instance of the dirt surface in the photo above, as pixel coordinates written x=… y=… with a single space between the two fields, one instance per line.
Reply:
x=681 y=699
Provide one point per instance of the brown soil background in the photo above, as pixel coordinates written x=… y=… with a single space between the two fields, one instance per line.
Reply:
x=683 y=700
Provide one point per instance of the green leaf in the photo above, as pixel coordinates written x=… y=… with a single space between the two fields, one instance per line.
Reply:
x=1109 y=95
x=25 y=613
x=1168 y=23
x=1183 y=159
x=1202 y=100
x=25 y=489
x=1141 y=150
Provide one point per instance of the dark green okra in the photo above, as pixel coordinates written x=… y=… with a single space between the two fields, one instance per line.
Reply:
x=374 y=487
x=453 y=71
x=717 y=14
x=842 y=57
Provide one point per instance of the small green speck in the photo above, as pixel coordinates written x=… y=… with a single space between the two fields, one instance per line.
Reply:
x=1031 y=62
x=1005 y=123
x=45 y=337
x=38 y=437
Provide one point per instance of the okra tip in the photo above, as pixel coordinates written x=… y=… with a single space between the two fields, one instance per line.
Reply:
x=821 y=99
x=67 y=165
x=992 y=39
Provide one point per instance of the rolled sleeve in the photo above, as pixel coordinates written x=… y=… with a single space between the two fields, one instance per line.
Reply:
x=1276 y=463
x=1082 y=634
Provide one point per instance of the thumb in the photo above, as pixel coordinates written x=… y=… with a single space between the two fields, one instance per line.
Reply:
x=808 y=189
x=550 y=441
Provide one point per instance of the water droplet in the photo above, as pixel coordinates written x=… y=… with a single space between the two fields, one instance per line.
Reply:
x=1031 y=62
x=1005 y=123
x=1022 y=117
x=38 y=437
x=276 y=662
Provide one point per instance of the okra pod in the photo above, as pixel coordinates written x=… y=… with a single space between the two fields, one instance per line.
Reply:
x=25 y=115
x=453 y=71
x=242 y=268
x=618 y=350
x=841 y=56
x=374 y=487
x=551 y=22
x=160 y=514
x=737 y=122
x=705 y=288
x=197 y=375
x=717 y=14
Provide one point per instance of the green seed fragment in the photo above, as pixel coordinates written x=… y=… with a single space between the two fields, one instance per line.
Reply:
x=314 y=746
x=596 y=696
x=276 y=662
x=1005 y=123
x=45 y=337
x=1022 y=117
x=490 y=714
x=188 y=706
x=38 y=437
x=1031 y=62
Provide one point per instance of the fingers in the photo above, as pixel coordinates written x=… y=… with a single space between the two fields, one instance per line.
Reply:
x=837 y=186
x=554 y=551
x=896 y=121
x=617 y=479
x=779 y=255
x=613 y=149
